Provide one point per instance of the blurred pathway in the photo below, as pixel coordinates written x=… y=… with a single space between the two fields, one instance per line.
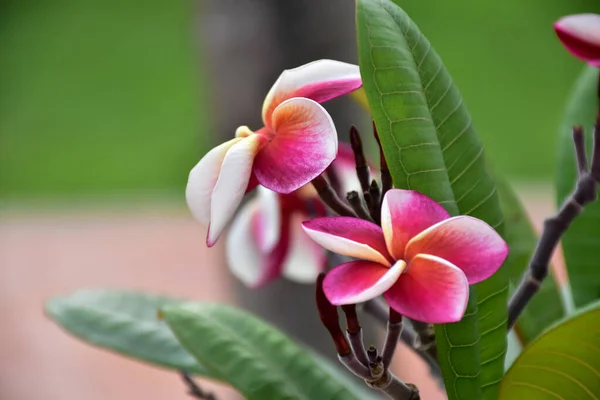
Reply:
x=47 y=254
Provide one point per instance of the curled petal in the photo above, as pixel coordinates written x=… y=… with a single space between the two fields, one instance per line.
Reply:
x=405 y=214
x=358 y=281
x=467 y=242
x=350 y=237
x=202 y=180
x=305 y=259
x=304 y=145
x=267 y=224
x=581 y=36
x=320 y=81
x=431 y=290
x=244 y=257
x=232 y=184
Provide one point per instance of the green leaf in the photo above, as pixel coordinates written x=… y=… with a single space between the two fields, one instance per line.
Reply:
x=564 y=363
x=126 y=322
x=254 y=357
x=431 y=146
x=582 y=239
x=546 y=306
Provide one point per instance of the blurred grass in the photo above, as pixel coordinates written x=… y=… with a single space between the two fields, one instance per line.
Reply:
x=512 y=71
x=97 y=97
x=106 y=97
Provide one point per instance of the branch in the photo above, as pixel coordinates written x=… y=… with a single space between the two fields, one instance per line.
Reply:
x=408 y=336
x=194 y=390
x=555 y=227
x=330 y=197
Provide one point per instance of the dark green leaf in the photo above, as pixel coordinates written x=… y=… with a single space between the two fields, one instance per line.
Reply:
x=126 y=322
x=564 y=363
x=546 y=307
x=582 y=241
x=254 y=357
x=431 y=146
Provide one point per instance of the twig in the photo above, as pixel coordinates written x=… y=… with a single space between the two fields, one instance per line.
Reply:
x=193 y=389
x=362 y=167
x=357 y=205
x=366 y=365
x=330 y=197
x=408 y=336
x=394 y=329
x=554 y=227
x=386 y=177
x=375 y=206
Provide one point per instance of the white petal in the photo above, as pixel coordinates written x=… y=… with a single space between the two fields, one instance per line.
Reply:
x=291 y=82
x=269 y=218
x=305 y=259
x=231 y=185
x=243 y=255
x=202 y=180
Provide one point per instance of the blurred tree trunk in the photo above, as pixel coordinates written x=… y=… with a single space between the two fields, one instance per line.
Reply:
x=247 y=44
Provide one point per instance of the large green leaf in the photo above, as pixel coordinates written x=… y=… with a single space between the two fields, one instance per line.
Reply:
x=431 y=146
x=582 y=240
x=546 y=306
x=125 y=322
x=564 y=363
x=255 y=358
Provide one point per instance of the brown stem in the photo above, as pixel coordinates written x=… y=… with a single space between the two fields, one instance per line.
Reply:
x=554 y=227
x=358 y=206
x=386 y=177
x=362 y=167
x=194 y=389
x=329 y=197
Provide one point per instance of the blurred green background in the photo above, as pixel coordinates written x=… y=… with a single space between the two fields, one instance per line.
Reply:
x=106 y=97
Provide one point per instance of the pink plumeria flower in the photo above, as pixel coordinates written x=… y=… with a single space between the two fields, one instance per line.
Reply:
x=421 y=259
x=297 y=143
x=266 y=239
x=580 y=34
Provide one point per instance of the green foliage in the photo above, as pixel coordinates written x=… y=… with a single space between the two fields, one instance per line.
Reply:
x=255 y=358
x=431 y=146
x=564 y=363
x=126 y=322
x=511 y=70
x=546 y=307
x=582 y=239
x=97 y=97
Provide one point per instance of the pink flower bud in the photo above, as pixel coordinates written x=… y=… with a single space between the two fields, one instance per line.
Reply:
x=580 y=33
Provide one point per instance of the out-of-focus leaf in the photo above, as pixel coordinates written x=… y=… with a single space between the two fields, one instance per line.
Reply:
x=431 y=146
x=582 y=240
x=126 y=322
x=563 y=363
x=255 y=358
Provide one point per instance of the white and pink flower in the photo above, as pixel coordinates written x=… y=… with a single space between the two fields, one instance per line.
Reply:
x=580 y=34
x=266 y=240
x=297 y=143
x=421 y=259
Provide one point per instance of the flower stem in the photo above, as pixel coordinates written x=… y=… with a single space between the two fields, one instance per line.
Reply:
x=194 y=390
x=330 y=197
x=554 y=227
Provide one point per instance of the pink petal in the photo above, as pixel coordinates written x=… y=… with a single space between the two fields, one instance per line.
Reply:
x=231 y=184
x=304 y=145
x=431 y=290
x=358 y=281
x=267 y=224
x=202 y=180
x=467 y=242
x=581 y=36
x=305 y=259
x=350 y=237
x=320 y=81
x=244 y=257
x=405 y=214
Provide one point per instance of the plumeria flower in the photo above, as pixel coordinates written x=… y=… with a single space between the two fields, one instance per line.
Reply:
x=580 y=34
x=420 y=259
x=266 y=239
x=296 y=144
